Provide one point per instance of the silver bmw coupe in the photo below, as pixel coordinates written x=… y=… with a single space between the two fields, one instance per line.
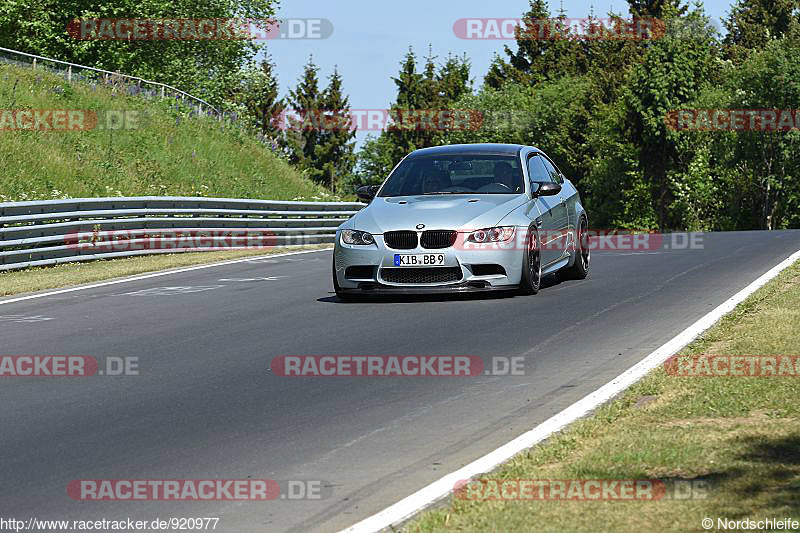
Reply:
x=468 y=217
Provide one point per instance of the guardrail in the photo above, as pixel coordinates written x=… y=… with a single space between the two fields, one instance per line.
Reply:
x=49 y=232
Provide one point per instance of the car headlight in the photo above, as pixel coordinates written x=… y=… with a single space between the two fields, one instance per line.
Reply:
x=351 y=236
x=499 y=234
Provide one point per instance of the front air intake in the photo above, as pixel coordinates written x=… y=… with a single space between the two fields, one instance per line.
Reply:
x=419 y=275
x=400 y=240
x=438 y=238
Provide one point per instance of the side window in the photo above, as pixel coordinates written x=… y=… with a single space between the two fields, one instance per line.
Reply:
x=552 y=170
x=537 y=170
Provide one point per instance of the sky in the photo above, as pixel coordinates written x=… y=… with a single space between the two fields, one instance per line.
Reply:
x=371 y=37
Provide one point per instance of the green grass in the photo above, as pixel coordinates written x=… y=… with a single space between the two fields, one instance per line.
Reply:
x=69 y=274
x=739 y=435
x=171 y=153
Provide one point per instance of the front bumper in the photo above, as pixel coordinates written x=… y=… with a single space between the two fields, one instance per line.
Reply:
x=380 y=257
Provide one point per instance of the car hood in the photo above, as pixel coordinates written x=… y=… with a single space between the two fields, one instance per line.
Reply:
x=435 y=211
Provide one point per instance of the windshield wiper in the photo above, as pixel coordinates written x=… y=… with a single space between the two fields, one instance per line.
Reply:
x=445 y=192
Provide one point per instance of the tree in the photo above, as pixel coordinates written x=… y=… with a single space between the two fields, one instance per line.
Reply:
x=335 y=153
x=769 y=160
x=546 y=49
x=206 y=68
x=319 y=136
x=374 y=163
x=552 y=116
x=303 y=133
x=411 y=88
x=751 y=24
x=657 y=8
x=641 y=170
x=453 y=79
x=672 y=72
x=433 y=90
x=259 y=95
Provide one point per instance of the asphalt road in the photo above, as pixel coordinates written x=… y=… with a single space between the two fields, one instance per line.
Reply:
x=206 y=406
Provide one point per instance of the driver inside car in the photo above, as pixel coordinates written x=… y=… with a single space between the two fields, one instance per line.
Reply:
x=435 y=180
x=504 y=174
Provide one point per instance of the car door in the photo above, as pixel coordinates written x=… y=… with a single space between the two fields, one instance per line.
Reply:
x=563 y=221
x=549 y=220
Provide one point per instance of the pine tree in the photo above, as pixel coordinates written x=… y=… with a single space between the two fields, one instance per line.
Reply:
x=753 y=23
x=453 y=78
x=410 y=90
x=302 y=123
x=335 y=153
x=656 y=8
x=408 y=83
x=546 y=50
x=431 y=91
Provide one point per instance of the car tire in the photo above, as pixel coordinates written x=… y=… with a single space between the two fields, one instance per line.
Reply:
x=531 y=278
x=580 y=267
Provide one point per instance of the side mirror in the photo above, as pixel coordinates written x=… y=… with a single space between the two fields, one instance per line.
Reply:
x=367 y=192
x=547 y=188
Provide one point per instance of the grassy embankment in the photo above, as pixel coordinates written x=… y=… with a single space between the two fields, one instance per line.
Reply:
x=170 y=152
x=739 y=435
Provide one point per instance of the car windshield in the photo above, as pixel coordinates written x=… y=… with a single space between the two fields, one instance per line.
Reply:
x=456 y=174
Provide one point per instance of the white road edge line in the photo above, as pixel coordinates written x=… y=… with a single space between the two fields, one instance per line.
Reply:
x=407 y=507
x=157 y=274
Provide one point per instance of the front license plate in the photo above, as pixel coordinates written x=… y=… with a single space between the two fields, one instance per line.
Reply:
x=404 y=260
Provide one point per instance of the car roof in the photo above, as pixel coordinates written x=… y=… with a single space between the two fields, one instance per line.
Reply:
x=470 y=149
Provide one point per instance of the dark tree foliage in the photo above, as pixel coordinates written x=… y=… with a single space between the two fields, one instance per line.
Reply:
x=259 y=93
x=206 y=68
x=335 y=156
x=302 y=136
x=599 y=107
x=539 y=59
x=433 y=89
x=319 y=134
x=656 y=8
x=751 y=24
